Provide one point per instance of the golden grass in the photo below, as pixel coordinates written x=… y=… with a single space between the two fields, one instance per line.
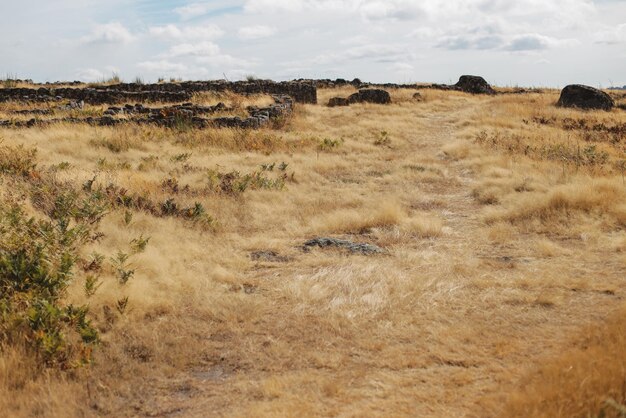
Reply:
x=586 y=379
x=495 y=260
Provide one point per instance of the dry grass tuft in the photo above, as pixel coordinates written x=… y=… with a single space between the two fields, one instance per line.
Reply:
x=360 y=221
x=599 y=198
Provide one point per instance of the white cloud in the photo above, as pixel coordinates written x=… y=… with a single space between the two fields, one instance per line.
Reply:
x=367 y=9
x=206 y=52
x=561 y=10
x=112 y=33
x=529 y=42
x=402 y=67
x=192 y=10
x=162 y=66
x=201 y=49
x=256 y=32
x=197 y=9
x=173 y=32
x=391 y=9
x=377 y=40
x=612 y=36
x=93 y=74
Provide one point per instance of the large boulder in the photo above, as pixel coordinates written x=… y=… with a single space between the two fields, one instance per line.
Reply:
x=370 y=96
x=585 y=97
x=474 y=84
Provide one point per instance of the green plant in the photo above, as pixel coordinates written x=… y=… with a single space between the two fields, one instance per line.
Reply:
x=128 y=217
x=268 y=167
x=138 y=245
x=149 y=162
x=124 y=273
x=181 y=158
x=328 y=144
x=383 y=139
x=92 y=284
x=36 y=267
x=169 y=207
x=182 y=123
x=122 y=305
x=95 y=263
x=64 y=165
x=235 y=183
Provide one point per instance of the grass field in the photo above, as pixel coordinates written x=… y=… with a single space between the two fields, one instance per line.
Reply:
x=499 y=292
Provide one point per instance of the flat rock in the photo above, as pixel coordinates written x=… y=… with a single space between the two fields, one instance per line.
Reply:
x=354 y=247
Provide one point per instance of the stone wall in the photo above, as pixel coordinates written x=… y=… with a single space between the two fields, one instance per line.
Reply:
x=186 y=114
x=301 y=92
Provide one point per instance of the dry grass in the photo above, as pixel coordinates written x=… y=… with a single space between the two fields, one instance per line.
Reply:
x=587 y=379
x=496 y=260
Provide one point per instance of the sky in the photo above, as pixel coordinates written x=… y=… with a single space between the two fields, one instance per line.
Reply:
x=509 y=42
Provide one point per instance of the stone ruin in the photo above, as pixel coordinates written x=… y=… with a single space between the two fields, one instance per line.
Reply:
x=300 y=91
x=377 y=96
x=119 y=96
x=186 y=114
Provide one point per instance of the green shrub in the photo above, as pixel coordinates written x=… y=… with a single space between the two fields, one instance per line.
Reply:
x=37 y=258
x=235 y=183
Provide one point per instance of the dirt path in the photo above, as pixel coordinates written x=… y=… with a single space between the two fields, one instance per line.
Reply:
x=483 y=315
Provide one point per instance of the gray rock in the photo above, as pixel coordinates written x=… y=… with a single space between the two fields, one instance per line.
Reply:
x=367 y=249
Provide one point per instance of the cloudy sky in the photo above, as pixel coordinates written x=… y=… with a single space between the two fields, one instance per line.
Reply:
x=509 y=42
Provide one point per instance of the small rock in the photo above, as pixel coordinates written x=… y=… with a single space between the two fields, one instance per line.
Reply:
x=271 y=256
x=366 y=249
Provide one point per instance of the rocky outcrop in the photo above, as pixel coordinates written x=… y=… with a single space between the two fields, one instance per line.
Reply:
x=474 y=84
x=585 y=97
